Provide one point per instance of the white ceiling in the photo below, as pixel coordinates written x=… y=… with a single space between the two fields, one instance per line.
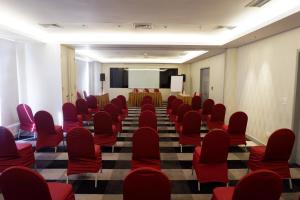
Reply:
x=110 y=22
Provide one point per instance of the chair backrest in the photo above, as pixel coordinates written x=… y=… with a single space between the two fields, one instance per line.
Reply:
x=146 y=184
x=25 y=117
x=208 y=106
x=80 y=144
x=103 y=123
x=215 y=147
x=170 y=99
x=238 y=123
x=175 y=105
x=146 y=90
x=91 y=102
x=123 y=99
x=44 y=123
x=280 y=145
x=113 y=111
x=148 y=119
x=196 y=102
x=84 y=94
x=69 y=112
x=183 y=108
x=145 y=144
x=146 y=100
x=8 y=148
x=82 y=106
x=79 y=95
x=23 y=183
x=218 y=113
x=260 y=184
x=148 y=107
x=156 y=90
x=118 y=103
x=191 y=123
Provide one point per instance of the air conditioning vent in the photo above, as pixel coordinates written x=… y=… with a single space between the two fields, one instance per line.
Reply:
x=226 y=27
x=142 y=26
x=257 y=3
x=50 y=25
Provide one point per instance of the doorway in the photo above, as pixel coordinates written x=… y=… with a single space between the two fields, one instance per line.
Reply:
x=204 y=83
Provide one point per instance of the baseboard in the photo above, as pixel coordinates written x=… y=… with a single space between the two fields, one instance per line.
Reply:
x=255 y=140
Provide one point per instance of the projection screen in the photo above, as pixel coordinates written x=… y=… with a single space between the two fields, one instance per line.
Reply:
x=143 y=78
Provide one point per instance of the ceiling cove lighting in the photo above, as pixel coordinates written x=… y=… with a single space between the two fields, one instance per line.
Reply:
x=145 y=69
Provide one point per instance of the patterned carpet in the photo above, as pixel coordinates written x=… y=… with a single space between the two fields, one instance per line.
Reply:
x=176 y=165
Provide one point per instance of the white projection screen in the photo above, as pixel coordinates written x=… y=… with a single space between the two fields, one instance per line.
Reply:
x=176 y=83
x=143 y=78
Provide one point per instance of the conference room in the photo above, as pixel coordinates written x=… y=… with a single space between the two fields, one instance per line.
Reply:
x=137 y=99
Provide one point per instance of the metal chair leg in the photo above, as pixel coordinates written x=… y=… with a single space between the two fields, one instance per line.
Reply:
x=180 y=148
x=199 y=186
x=67 y=179
x=113 y=148
x=192 y=170
x=290 y=183
x=227 y=184
x=96 y=180
x=55 y=149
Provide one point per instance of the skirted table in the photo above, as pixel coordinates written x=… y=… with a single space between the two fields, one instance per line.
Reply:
x=135 y=98
x=187 y=99
x=102 y=100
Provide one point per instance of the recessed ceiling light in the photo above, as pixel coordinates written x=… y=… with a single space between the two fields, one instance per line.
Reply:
x=257 y=3
x=50 y=25
x=226 y=27
x=145 y=26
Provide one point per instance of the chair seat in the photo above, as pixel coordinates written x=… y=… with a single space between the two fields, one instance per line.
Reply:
x=69 y=125
x=223 y=193
x=105 y=139
x=145 y=163
x=50 y=140
x=61 y=191
x=191 y=139
x=214 y=125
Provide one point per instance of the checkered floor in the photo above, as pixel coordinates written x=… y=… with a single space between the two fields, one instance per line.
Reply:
x=176 y=165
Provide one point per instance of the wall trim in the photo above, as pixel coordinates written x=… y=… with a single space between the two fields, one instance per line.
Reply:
x=255 y=140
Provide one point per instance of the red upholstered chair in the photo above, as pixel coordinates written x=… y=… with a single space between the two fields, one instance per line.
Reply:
x=148 y=119
x=275 y=155
x=92 y=104
x=183 y=108
x=169 y=104
x=113 y=111
x=156 y=90
x=84 y=94
x=146 y=184
x=84 y=156
x=83 y=110
x=119 y=105
x=12 y=153
x=124 y=104
x=174 y=112
x=24 y=183
x=145 y=149
x=79 y=95
x=189 y=134
x=48 y=135
x=71 y=119
x=237 y=128
x=207 y=108
x=146 y=90
x=196 y=103
x=26 y=119
x=146 y=100
x=105 y=133
x=262 y=184
x=216 y=120
x=210 y=160
x=148 y=107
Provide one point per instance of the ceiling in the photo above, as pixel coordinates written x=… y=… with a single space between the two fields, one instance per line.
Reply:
x=177 y=27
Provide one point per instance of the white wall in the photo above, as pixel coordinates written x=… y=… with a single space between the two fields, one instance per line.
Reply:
x=83 y=74
x=216 y=67
x=113 y=92
x=95 y=84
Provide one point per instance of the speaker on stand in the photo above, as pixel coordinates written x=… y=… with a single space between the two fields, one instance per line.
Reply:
x=102 y=79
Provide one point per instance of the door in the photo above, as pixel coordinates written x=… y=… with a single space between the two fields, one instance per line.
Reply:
x=204 y=83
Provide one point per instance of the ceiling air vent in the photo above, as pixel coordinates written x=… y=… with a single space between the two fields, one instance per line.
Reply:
x=257 y=3
x=226 y=27
x=50 y=25
x=142 y=26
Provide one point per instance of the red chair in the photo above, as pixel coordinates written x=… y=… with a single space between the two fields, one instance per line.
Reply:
x=83 y=110
x=146 y=100
x=119 y=105
x=196 y=103
x=190 y=131
x=84 y=156
x=12 y=153
x=237 y=128
x=79 y=95
x=105 y=133
x=24 y=183
x=124 y=104
x=113 y=111
x=146 y=90
x=145 y=149
x=148 y=119
x=26 y=119
x=262 y=184
x=148 y=107
x=216 y=120
x=210 y=160
x=275 y=155
x=84 y=94
x=146 y=184
x=174 y=109
x=183 y=108
x=92 y=104
x=156 y=90
x=169 y=104
x=48 y=135
x=71 y=119
x=207 y=108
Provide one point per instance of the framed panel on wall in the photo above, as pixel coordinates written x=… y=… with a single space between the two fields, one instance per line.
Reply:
x=165 y=76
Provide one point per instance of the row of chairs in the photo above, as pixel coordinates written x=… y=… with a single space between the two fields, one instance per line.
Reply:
x=146 y=90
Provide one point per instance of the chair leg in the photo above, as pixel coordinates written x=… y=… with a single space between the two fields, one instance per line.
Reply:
x=55 y=149
x=290 y=183
x=112 y=148
x=246 y=150
x=180 y=148
x=96 y=180
x=192 y=170
x=227 y=184
x=199 y=186
x=34 y=135
x=19 y=133
x=67 y=179
x=248 y=170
